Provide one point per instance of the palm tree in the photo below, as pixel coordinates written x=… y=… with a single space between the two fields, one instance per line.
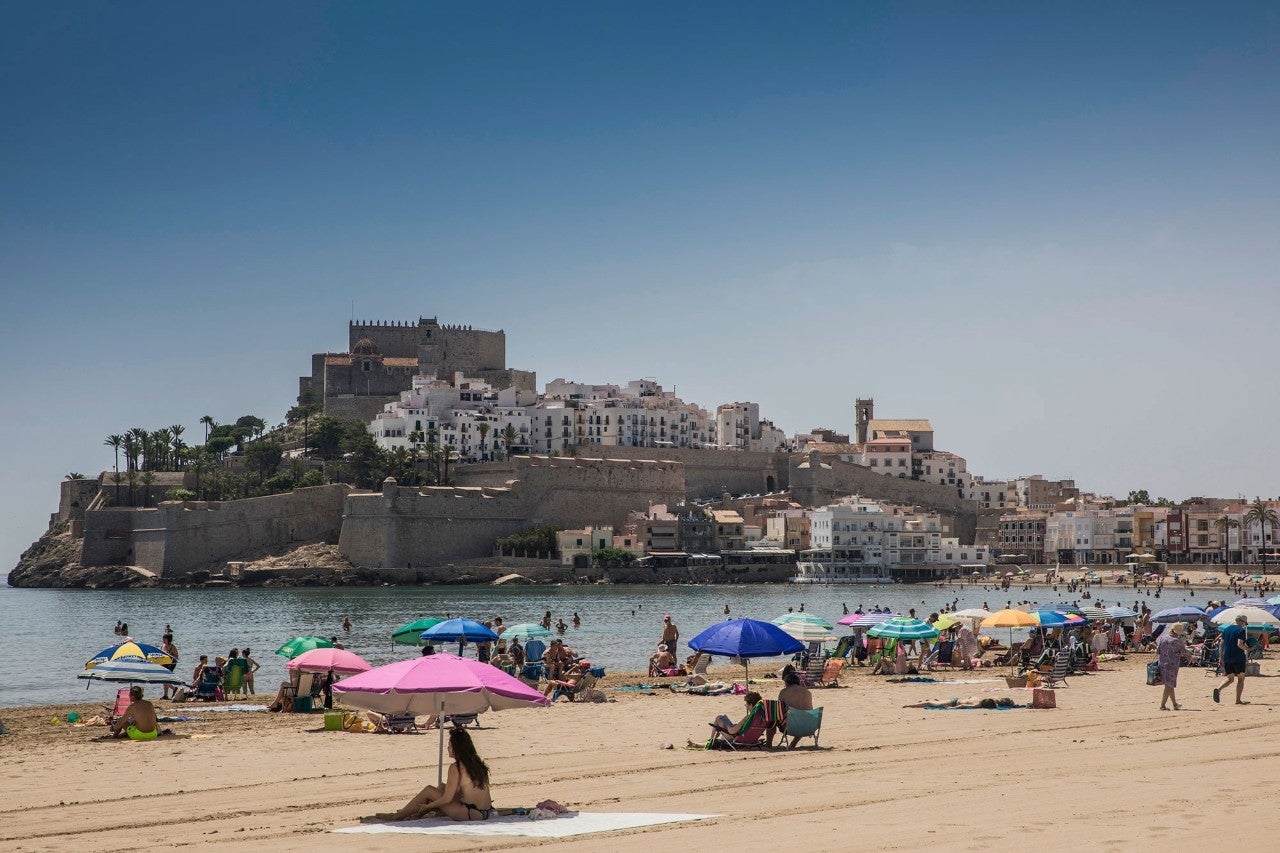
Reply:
x=483 y=426
x=115 y=442
x=148 y=479
x=1225 y=523
x=175 y=433
x=1261 y=514
x=433 y=441
x=74 y=475
x=160 y=447
x=509 y=438
x=140 y=449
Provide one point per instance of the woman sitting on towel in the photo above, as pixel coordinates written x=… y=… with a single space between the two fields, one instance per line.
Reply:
x=465 y=795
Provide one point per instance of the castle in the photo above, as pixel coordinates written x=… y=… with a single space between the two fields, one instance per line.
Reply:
x=383 y=357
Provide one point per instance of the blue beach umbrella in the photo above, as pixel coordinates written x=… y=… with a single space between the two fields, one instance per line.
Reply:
x=1057 y=619
x=129 y=650
x=1059 y=607
x=746 y=639
x=1186 y=613
x=461 y=630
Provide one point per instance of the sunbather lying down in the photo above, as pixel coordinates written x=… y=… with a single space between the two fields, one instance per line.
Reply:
x=957 y=702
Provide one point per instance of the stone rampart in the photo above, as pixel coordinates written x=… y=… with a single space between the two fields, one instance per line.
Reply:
x=707 y=473
x=418 y=527
x=179 y=537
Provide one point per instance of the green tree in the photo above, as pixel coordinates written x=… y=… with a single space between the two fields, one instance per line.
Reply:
x=433 y=451
x=612 y=558
x=148 y=480
x=115 y=442
x=533 y=540
x=326 y=438
x=509 y=438
x=311 y=478
x=263 y=458
x=484 y=428
x=75 y=475
x=1142 y=496
x=179 y=494
x=209 y=423
x=369 y=463
x=1225 y=523
x=1264 y=516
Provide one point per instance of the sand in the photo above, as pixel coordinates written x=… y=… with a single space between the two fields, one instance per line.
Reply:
x=1106 y=770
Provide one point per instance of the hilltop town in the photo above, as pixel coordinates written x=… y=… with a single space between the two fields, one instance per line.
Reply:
x=418 y=456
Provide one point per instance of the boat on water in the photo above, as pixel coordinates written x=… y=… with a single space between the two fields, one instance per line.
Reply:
x=840 y=572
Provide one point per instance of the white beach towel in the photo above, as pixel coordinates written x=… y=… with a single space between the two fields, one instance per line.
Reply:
x=206 y=709
x=581 y=823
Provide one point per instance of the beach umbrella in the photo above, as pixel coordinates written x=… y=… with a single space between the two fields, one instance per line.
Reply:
x=1010 y=618
x=411 y=634
x=1257 y=616
x=904 y=628
x=806 y=628
x=1260 y=603
x=1094 y=614
x=129 y=650
x=1121 y=613
x=460 y=630
x=746 y=639
x=866 y=620
x=1185 y=613
x=946 y=620
x=340 y=661
x=1060 y=607
x=298 y=645
x=1055 y=619
x=525 y=631
x=437 y=684
x=1275 y=599
x=131 y=671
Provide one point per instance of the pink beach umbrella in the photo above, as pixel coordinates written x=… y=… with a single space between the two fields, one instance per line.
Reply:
x=322 y=660
x=437 y=684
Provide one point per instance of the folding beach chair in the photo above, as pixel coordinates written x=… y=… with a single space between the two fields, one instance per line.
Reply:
x=122 y=705
x=747 y=734
x=831 y=672
x=802 y=724
x=393 y=724
x=1061 y=667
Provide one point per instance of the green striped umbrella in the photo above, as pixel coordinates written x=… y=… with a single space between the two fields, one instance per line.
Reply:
x=524 y=631
x=904 y=628
x=806 y=627
x=298 y=645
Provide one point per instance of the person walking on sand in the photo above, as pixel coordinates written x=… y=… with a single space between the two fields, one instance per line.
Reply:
x=1169 y=650
x=670 y=634
x=1234 y=658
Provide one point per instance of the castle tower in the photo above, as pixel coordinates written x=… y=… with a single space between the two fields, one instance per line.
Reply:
x=864 y=411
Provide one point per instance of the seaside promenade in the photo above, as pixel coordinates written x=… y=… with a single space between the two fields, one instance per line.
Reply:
x=1104 y=771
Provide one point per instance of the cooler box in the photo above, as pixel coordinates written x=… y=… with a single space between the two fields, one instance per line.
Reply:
x=332 y=721
x=302 y=705
x=1253 y=668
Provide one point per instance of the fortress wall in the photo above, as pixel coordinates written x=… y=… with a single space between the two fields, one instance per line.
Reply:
x=362 y=409
x=421 y=527
x=399 y=339
x=74 y=496
x=179 y=537
x=470 y=350
x=707 y=473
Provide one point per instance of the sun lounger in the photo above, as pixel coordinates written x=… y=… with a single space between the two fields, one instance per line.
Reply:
x=394 y=724
x=1058 y=675
x=123 y=701
x=586 y=682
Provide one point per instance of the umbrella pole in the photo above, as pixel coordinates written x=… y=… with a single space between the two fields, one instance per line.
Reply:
x=440 y=757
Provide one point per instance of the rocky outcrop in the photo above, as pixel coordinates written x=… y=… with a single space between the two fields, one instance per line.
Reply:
x=53 y=562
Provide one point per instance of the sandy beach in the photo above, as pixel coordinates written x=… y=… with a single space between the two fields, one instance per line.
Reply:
x=1105 y=770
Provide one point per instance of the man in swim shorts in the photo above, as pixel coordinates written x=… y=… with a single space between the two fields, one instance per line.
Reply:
x=139 y=720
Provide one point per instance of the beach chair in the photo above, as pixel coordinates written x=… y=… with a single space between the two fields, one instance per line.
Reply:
x=811 y=675
x=831 y=672
x=747 y=734
x=393 y=724
x=843 y=647
x=122 y=705
x=586 y=682
x=533 y=669
x=802 y=724
x=1058 y=675
x=209 y=688
x=233 y=682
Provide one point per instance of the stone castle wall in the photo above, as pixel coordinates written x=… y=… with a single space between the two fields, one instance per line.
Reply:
x=420 y=527
x=707 y=473
x=179 y=537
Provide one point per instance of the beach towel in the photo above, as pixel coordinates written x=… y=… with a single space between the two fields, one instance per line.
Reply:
x=563 y=826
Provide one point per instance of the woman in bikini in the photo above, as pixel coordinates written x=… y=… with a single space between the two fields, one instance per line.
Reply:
x=465 y=795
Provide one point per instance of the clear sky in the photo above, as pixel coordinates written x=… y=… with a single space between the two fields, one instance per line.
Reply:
x=1053 y=233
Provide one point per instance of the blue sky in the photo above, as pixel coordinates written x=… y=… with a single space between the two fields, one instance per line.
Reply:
x=1053 y=232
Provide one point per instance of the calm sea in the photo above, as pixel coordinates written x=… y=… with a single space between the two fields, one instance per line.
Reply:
x=47 y=635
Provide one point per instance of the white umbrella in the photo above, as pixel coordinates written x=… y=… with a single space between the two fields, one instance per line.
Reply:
x=1256 y=616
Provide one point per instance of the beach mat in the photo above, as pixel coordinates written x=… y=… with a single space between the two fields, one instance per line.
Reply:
x=580 y=823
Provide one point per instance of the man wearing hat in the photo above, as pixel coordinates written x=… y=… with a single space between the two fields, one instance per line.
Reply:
x=1235 y=648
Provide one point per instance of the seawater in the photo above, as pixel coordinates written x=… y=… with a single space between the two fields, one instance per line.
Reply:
x=47 y=635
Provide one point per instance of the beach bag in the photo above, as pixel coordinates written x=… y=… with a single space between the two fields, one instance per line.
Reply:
x=1153 y=674
x=1043 y=698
